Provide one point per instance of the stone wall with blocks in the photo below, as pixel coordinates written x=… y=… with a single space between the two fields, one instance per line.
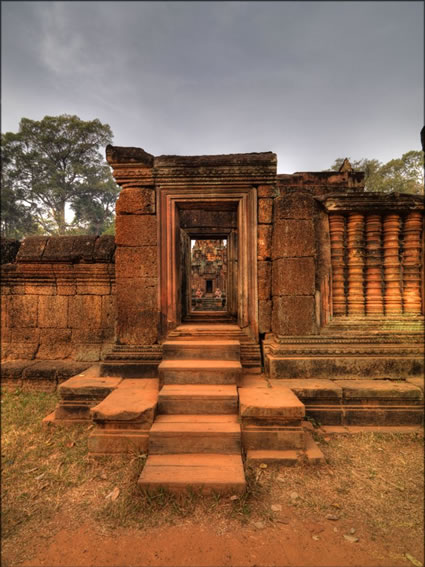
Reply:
x=58 y=298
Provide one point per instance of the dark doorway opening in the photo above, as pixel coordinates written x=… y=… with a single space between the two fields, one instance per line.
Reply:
x=209 y=286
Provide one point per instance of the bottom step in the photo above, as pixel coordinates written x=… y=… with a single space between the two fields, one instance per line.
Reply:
x=206 y=473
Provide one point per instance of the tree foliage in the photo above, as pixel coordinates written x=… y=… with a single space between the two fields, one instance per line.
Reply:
x=52 y=166
x=401 y=175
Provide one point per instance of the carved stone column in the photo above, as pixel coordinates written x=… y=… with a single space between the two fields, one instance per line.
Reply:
x=355 y=252
x=411 y=262
x=374 y=295
x=392 y=275
x=336 y=230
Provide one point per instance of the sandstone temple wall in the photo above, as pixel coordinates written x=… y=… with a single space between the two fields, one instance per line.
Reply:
x=58 y=298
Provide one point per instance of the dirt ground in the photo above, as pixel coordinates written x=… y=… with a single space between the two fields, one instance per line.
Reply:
x=364 y=507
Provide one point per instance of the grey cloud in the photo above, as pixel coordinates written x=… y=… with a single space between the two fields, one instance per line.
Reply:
x=310 y=80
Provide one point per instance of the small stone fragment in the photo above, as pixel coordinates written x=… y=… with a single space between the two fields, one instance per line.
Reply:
x=316 y=537
x=259 y=525
x=234 y=497
x=352 y=531
x=335 y=530
x=332 y=517
x=351 y=538
x=263 y=466
x=280 y=478
x=294 y=496
x=276 y=507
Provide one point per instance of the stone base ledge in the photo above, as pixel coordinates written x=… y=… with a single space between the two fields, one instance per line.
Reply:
x=42 y=375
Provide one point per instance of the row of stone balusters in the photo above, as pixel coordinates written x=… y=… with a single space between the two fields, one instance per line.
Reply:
x=376 y=263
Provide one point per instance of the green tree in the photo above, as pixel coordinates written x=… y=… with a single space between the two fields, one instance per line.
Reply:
x=52 y=165
x=401 y=175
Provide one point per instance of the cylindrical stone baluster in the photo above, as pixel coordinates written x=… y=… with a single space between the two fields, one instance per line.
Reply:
x=392 y=275
x=355 y=253
x=336 y=231
x=411 y=264
x=374 y=295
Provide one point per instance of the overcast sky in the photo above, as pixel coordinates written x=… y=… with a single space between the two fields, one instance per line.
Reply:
x=311 y=81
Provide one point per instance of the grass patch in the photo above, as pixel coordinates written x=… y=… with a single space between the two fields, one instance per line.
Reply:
x=49 y=483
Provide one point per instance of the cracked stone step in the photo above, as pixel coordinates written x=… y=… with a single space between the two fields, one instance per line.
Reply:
x=195 y=434
x=200 y=371
x=201 y=350
x=204 y=472
x=198 y=399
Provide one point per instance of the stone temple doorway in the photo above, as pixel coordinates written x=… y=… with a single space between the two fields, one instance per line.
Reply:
x=208 y=241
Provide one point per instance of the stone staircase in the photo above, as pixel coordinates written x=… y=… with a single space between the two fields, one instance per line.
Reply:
x=195 y=440
x=250 y=350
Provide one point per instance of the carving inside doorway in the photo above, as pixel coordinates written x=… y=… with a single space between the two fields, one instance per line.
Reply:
x=208 y=275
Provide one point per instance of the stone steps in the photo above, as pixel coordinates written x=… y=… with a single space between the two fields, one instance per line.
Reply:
x=196 y=434
x=200 y=371
x=204 y=472
x=250 y=351
x=198 y=399
x=195 y=440
x=201 y=350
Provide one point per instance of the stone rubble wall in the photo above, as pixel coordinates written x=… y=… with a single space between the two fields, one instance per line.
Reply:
x=58 y=298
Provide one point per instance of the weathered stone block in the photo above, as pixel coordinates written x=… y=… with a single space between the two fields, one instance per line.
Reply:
x=278 y=402
x=127 y=405
x=379 y=390
x=40 y=376
x=32 y=248
x=312 y=389
x=137 y=310
x=293 y=315
x=67 y=369
x=54 y=344
x=87 y=387
x=136 y=201
x=87 y=352
x=109 y=312
x=85 y=311
x=293 y=276
x=11 y=372
x=18 y=351
x=293 y=205
x=264 y=271
x=90 y=335
x=104 y=249
x=264 y=315
x=264 y=244
x=59 y=249
x=136 y=230
x=265 y=211
x=53 y=311
x=138 y=262
x=266 y=191
x=293 y=238
x=22 y=311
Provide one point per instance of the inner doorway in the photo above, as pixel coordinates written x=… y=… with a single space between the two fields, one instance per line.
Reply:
x=213 y=214
x=208 y=275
